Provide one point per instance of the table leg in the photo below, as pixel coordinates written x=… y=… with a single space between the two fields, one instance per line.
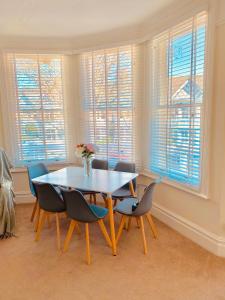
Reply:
x=132 y=188
x=111 y=222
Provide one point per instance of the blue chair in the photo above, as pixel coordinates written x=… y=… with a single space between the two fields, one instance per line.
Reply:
x=124 y=191
x=34 y=171
x=132 y=208
x=78 y=210
x=50 y=202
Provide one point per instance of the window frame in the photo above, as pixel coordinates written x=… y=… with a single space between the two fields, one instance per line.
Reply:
x=203 y=189
x=85 y=91
x=9 y=93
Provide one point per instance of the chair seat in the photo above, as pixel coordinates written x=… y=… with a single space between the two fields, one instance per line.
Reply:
x=125 y=207
x=99 y=211
x=122 y=193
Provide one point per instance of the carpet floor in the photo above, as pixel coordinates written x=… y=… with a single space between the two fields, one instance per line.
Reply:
x=174 y=268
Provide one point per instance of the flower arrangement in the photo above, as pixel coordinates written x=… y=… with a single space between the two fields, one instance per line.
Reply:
x=86 y=151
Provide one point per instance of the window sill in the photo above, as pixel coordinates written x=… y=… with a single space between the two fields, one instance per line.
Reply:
x=51 y=167
x=178 y=186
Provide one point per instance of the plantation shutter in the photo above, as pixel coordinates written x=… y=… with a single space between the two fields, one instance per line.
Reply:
x=36 y=107
x=178 y=60
x=108 y=98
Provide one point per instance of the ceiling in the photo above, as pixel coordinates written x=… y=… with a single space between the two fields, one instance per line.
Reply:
x=72 y=18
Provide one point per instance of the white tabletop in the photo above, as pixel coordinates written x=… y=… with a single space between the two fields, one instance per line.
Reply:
x=103 y=181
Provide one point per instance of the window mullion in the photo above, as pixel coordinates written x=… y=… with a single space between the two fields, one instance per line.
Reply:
x=42 y=108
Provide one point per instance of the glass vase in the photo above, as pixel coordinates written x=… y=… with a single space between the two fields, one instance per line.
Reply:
x=87 y=163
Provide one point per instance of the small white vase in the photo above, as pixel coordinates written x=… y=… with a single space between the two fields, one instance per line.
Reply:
x=87 y=163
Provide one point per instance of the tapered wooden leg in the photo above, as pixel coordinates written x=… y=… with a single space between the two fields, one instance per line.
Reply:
x=129 y=223
x=87 y=244
x=132 y=188
x=78 y=228
x=58 y=231
x=122 y=222
x=138 y=223
x=143 y=235
x=104 y=232
x=126 y=224
x=90 y=198
x=111 y=222
x=40 y=224
x=69 y=235
x=48 y=219
x=152 y=225
x=95 y=200
x=37 y=218
x=34 y=210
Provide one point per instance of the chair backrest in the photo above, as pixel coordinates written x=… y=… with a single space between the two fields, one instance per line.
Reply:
x=122 y=166
x=48 y=198
x=77 y=208
x=100 y=164
x=33 y=172
x=146 y=201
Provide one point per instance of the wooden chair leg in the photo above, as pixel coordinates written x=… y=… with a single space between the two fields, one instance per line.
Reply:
x=69 y=235
x=78 y=228
x=95 y=200
x=104 y=232
x=105 y=200
x=88 y=256
x=143 y=235
x=34 y=210
x=40 y=224
x=58 y=231
x=152 y=225
x=129 y=223
x=48 y=219
x=122 y=222
x=37 y=218
x=138 y=223
x=90 y=198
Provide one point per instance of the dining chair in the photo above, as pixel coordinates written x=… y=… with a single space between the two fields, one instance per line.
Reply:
x=78 y=210
x=34 y=171
x=50 y=202
x=132 y=208
x=124 y=191
x=96 y=164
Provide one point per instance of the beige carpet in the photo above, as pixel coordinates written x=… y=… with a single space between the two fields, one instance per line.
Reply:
x=175 y=268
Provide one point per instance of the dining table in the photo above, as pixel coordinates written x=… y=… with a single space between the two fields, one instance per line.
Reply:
x=99 y=181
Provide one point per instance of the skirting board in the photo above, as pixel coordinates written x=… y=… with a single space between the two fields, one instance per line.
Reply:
x=24 y=197
x=197 y=234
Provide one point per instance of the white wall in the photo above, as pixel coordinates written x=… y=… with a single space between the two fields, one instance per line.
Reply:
x=203 y=220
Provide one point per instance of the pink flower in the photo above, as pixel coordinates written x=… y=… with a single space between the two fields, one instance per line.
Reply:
x=90 y=147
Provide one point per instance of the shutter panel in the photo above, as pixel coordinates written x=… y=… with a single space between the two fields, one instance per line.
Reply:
x=178 y=100
x=108 y=102
x=36 y=105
